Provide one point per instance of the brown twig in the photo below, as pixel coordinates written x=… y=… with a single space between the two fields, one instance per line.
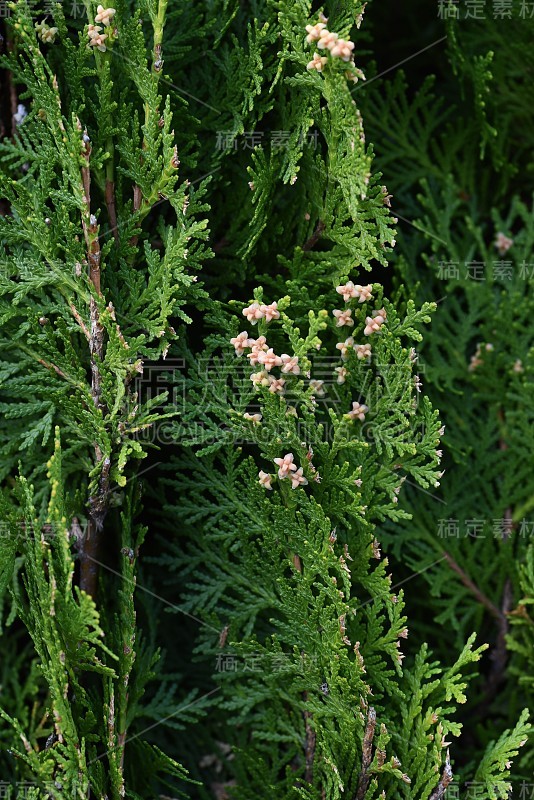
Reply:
x=316 y=235
x=110 y=203
x=310 y=733
x=137 y=198
x=309 y=751
x=445 y=780
x=121 y=740
x=310 y=743
x=137 y=202
x=52 y=366
x=79 y=320
x=467 y=582
x=499 y=656
x=499 y=653
x=98 y=508
x=367 y=755
x=98 y=502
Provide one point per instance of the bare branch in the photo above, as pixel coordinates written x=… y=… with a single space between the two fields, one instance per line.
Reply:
x=445 y=780
x=481 y=597
x=98 y=502
x=367 y=755
x=314 y=238
x=499 y=655
x=310 y=744
x=54 y=367
x=79 y=320
x=110 y=203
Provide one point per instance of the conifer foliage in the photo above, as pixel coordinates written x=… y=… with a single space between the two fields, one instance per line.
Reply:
x=189 y=198
x=88 y=293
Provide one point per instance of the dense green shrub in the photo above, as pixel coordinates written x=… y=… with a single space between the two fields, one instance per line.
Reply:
x=234 y=366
